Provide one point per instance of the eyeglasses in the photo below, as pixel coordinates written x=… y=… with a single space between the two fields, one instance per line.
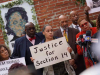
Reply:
x=31 y=28
x=84 y=24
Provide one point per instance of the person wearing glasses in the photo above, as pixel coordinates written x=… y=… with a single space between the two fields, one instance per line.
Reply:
x=84 y=25
x=4 y=53
x=74 y=16
x=22 y=44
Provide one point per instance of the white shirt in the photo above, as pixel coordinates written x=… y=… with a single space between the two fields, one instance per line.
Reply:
x=33 y=41
x=74 y=26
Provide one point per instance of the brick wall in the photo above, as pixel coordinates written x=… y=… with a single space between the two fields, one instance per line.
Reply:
x=49 y=10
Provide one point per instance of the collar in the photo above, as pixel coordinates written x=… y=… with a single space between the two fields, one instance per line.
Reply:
x=63 y=29
x=74 y=25
x=27 y=37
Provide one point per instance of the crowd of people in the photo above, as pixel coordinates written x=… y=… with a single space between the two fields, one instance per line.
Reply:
x=71 y=32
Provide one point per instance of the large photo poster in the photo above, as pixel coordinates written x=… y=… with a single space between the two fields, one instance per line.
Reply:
x=15 y=19
x=94 y=5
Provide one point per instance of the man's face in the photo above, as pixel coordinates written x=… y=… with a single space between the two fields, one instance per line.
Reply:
x=84 y=25
x=64 y=22
x=74 y=16
x=30 y=30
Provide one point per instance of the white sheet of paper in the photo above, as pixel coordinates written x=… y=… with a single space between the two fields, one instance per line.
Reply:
x=92 y=9
x=5 y=65
x=50 y=53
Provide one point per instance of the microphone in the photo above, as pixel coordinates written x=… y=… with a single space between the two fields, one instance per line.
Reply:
x=88 y=36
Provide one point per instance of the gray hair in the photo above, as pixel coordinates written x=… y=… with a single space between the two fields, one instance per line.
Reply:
x=45 y=27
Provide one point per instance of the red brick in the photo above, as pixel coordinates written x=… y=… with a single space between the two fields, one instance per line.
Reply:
x=54 y=1
x=43 y=17
x=65 y=2
x=51 y=5
x=59 y=3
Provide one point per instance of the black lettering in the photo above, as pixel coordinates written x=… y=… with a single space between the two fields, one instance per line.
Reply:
x=66 y=54
x=48 y=46
x=41 y=49
x=47 y=53
x=52 y=45
x=37 y=63
x=36 y=49
x=60 y=43
x=44 y=61
x=45 y=48
x=56 y=57
x=41 y=62
x=3 y=63
x=52 y=59
x=55 y=45
x=62 y=55
x=49 y=59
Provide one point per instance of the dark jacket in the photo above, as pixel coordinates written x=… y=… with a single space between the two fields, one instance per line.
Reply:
x=21 y=49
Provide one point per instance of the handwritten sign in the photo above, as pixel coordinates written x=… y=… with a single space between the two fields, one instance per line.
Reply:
x=50 y=53
x=5 y=65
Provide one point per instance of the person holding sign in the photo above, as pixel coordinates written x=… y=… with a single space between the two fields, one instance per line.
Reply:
x=4 y=53
x=59 y=68
x=21 y=47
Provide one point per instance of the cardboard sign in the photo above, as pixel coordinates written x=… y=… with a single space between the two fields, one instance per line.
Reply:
x=50 y=53
x=5 y=65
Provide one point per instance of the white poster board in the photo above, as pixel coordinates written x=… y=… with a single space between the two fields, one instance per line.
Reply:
x=50 y=53
x=94 y=6
x=5 y=65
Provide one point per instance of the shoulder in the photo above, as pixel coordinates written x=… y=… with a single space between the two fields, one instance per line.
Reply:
x=94 y=28
x=40 y=35
x=57 y=31
x=73 y=30
x=20 y=39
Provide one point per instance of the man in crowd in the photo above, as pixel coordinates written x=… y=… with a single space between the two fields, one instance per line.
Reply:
x=70 y=36
x=75 y=16
x=21 y=47
x=84 y=25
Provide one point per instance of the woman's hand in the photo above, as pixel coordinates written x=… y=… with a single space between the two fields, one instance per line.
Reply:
x=69 y=49
x=32 y=59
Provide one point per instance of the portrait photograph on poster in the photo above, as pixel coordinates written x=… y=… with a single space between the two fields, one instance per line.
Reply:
x=94 y=5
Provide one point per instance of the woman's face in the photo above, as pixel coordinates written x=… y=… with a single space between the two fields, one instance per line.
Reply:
x=4 y=53
x=48 y=32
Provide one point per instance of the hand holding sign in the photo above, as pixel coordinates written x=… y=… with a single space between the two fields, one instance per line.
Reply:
x=51 y=52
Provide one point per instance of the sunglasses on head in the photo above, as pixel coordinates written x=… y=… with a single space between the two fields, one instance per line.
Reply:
x=84 y=24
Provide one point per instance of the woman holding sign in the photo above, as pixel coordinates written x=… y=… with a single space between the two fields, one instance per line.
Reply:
x=59 y=68
x=4 y=53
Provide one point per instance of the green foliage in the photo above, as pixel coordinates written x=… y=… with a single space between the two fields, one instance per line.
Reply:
x=35 y=19
x=11 y=4
x=81 y=2
x=3 y=29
